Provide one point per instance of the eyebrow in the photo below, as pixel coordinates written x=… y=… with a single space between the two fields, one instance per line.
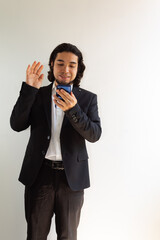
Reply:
x=60 y=60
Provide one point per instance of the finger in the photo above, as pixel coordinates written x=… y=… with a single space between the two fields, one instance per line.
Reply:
x=58 y=99
x=65 y=95
x=28 y=68
x=33 y=65
x=40 y=69
x=62 y=95
x=41 y=77
x=70 y=96
x=73 y=95
x=36 y=67
x=59 y=105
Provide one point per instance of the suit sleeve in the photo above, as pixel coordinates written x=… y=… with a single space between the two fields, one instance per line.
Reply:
x=87 y=125
x=20 y=117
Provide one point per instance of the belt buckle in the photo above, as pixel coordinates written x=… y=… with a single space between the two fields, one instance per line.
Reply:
x=56 y=167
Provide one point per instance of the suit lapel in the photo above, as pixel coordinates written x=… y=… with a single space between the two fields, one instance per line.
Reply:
x=47 y=93
x=77 y=92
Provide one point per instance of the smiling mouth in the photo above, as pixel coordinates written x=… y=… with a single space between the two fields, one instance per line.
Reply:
x=64 y=77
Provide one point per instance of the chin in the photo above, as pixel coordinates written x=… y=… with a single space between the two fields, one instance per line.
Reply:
x=63 y=82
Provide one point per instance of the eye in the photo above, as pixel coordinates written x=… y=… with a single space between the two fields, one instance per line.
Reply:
x=60 y=64
x=72 y=66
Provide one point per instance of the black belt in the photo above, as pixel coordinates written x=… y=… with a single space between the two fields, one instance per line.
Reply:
x=57 y=165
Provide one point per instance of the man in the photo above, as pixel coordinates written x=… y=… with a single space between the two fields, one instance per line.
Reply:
x=55 y=167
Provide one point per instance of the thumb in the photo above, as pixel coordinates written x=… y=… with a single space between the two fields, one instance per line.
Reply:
x=72 y=94
x=41 y=77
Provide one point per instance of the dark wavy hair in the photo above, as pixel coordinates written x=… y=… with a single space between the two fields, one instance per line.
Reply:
x=67 y=47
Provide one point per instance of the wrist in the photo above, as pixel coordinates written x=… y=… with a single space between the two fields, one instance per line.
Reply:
x=32 y=85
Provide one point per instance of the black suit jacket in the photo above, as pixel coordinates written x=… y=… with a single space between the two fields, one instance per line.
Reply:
x=33 y=108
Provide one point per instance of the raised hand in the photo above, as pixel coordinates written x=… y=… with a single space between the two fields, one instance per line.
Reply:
x=34 y=77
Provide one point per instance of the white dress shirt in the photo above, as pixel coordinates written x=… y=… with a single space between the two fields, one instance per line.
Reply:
x=57 y=116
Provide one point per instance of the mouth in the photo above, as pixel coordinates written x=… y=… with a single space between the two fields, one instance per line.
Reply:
x=64 y=77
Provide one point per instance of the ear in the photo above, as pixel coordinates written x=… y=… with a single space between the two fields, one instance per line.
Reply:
x=51 y=64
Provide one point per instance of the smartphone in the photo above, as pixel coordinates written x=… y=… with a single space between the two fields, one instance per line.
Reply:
x=67 y=88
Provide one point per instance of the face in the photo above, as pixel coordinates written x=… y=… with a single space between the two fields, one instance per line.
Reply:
x=65 y=68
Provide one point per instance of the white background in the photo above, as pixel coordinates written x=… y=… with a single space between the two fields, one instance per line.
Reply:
x=120 y=41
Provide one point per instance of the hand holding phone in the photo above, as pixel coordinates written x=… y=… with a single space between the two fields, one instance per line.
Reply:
x=67 y=101
x=67 y=88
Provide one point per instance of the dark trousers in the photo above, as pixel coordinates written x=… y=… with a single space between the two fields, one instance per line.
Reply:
x=51 y=195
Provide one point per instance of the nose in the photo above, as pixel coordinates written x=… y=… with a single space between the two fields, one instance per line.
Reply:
x=66 y=69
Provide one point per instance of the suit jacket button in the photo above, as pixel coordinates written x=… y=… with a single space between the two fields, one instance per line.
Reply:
x=43 y=152
x=75 y=119
x=48 y=137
